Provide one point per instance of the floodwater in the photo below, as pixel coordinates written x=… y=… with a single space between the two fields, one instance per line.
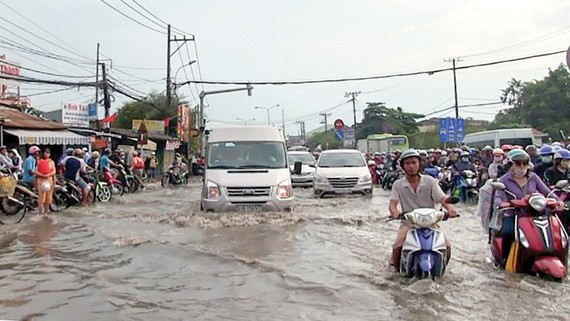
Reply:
x=154 y=256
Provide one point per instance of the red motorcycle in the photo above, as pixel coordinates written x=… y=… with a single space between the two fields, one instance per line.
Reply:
x=541 y=242
x=373 y=173
x=115 y=184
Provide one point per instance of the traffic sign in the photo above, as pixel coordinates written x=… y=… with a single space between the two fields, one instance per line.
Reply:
x=451 y=130
x=339 y=135
x=338 y=124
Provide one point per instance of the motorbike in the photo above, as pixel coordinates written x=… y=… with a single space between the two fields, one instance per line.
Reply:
x=424 y=254
x=114 y=184
x=372 y=170
x=468 y=187
x=174 y=176
x=380 y=171
x=100 y=189
x=390 y=177
x=540 y=245
x=13 y=209
x=130 y=183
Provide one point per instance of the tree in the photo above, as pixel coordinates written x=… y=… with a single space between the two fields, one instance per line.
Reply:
x=380 y=119
x=151 y=107
x=324 y=140
x=542 y=104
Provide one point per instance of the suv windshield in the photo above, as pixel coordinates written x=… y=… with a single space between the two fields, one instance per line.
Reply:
x=242 y=155
x=306 y=159
x=341 y=160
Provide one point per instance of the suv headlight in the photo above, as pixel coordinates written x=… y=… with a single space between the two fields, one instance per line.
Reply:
x=320 y=180
x=366 y=179
x=284 y=189
x=213 y=190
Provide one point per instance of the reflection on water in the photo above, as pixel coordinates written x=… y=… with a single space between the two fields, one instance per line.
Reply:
x=154 y=255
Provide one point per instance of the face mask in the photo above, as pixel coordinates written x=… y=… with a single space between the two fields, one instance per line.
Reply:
x=546 y=159
x=465 y=159
x=519 y=172
x=498 y=159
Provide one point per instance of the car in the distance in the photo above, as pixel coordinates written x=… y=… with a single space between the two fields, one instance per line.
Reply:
x=305 y=178
x=342 y=171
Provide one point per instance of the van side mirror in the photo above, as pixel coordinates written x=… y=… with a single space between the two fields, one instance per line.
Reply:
x=498 y=186
x=562 y=184
x=297 y=168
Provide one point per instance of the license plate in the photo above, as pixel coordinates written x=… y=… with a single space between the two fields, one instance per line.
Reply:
x=249 y=208
x=343 y=190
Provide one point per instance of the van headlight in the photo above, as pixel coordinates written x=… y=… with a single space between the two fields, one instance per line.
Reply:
x=366 y=179
x=320 y=180
x=213 y=190
x=284 y=189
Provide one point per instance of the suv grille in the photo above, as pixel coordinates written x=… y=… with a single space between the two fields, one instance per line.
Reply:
x=343 y=182
x=249 y=191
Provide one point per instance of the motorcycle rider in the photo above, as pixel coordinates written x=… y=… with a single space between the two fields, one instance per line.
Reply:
x=532 y=152
x=6 y=161
x=177 y=166
x=559 y=169
x=106 y=164
x=486 y=157
x=454 y=157
x=17 y=160
x=137 y=168
x=519 y=181
x=546 y=154
x=463 y=164
x=75 y=167
x=94 y=160
x=436 y=158
x=497 y=165
x=414 y=191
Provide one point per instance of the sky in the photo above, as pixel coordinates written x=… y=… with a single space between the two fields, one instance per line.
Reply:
x=267 y=40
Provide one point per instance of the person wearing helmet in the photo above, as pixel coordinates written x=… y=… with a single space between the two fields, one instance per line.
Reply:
x=556 y=144
x=546 y=159
x=486 y=158
x=93 y=161
x=424 y=160
x=436 y=158
x=559 y=169
x=75 y=167
x=6 y=161
x=520 y=182
x=106 y=164
x=137 y=168
x=506 y=148
x=413 y=191
x=532 y=152
x=455 y=153
x=29 y=175
x=463 y=164
x=497 y=165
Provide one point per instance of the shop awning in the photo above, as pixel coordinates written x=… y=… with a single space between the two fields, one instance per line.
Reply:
x=86 y=131
x=47 y=137
x=150 y=145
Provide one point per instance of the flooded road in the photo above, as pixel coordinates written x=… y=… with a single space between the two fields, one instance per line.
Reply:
x=155 y=256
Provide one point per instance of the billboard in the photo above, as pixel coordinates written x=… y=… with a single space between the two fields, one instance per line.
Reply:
x=184 y=120
x=75 y=115
x=152 y=126
x=9 y=69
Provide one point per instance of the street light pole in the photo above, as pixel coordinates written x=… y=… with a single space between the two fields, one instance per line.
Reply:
x=267 y=109
x=245 y=121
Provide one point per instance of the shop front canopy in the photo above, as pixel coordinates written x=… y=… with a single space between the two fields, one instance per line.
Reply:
x=47 y=137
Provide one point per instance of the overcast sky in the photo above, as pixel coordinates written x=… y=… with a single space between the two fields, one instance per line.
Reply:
x=295 y=40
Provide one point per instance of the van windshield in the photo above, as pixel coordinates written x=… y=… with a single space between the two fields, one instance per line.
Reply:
x=243 y=155
x=341 y=160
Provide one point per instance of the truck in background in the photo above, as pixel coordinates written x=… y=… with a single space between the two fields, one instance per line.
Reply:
x=382 y=143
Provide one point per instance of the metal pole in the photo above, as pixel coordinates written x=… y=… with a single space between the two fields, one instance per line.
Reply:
x=268 y=117
x=455 y=90
x=97 y=90
x=168 y=93
x=283 y=120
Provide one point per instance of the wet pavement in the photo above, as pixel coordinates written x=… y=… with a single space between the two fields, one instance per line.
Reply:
x=154 y=256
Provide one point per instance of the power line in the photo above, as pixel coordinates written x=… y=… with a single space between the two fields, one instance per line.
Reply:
x=132 y=19
x=156 y=17
x=44 y=72
x=415 y=73
x=141 y=14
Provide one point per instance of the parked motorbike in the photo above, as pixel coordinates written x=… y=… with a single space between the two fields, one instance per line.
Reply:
x=174 y=177
x=13 y=210
x=424 y=254
x=541 y=242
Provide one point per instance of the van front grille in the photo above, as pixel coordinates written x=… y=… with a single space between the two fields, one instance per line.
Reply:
x=249 y=191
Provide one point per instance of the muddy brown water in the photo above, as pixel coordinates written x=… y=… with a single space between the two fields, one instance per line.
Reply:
x=154 y=256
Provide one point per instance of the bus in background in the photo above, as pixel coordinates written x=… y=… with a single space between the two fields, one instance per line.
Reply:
x=499 y=137
x=383 y=143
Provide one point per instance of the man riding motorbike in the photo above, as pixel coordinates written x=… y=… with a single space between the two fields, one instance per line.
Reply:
x=519 y=181
x=414 y=191
x=75 y=167
x=546 y=154
x=559 y=169
x=463 y=164
x=497 y=165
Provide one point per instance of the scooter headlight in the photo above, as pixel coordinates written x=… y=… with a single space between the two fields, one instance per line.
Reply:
x=522 y=239
x=537 y=202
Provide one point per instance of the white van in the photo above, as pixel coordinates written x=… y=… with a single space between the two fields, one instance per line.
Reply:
x=499 y=137
x=246 y=169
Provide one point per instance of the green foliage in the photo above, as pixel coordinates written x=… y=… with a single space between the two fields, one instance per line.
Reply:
x=430 y=139
x=379 y=119
x=542 y=104
x=324 y=140
x=152 y=107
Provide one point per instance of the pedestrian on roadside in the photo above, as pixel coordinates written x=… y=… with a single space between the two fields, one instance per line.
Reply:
x=152 y=165
x=45 y=180
x=30 y=165
x=137 y=167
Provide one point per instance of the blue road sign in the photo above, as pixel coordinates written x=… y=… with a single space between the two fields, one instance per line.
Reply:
x=92 y=109
x=451 y=130
x=339 y=135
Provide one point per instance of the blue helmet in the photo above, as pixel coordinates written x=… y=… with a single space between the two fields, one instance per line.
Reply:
x=546 y=150
x=563 y=154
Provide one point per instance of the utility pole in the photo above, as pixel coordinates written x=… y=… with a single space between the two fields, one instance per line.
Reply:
x=325 y=115
x=97 y=86
x=169 y=55
x=168 y=80
x=353 y=94
x=302 y=126
x=106 y=97
x=453 y=61
x=283 y=121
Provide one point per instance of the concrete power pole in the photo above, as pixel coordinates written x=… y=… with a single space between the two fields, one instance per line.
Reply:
x=325 y=115
x=168 y=80
x=106 y=96
x=453 y=61
x=353 y=96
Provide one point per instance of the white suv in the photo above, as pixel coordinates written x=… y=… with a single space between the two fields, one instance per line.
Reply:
x=342 y=171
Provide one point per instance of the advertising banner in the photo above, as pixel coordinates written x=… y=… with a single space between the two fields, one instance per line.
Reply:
x=75 y=115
